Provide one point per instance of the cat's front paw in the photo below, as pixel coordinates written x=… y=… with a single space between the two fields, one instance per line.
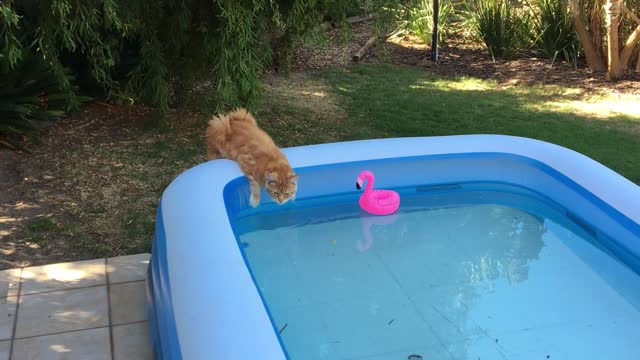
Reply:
x=254 y=200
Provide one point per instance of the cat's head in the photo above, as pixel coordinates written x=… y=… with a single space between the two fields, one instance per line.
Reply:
x=281 y=184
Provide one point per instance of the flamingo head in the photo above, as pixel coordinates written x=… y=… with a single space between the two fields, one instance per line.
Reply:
x=364 y=176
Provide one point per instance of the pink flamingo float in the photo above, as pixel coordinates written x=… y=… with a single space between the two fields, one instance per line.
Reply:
x=377 y=202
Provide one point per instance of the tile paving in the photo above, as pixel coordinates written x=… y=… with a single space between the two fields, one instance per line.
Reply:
x=93 y=310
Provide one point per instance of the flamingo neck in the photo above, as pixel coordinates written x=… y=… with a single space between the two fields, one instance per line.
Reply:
x=369 y=179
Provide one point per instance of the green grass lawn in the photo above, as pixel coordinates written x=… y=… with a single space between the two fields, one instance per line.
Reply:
x=390 y=101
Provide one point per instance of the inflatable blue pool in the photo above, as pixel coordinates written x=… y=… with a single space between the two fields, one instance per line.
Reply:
x=503 y=248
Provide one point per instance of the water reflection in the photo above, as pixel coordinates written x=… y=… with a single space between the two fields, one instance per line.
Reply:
x=511 y=242
x=368 y=221
x=483 y=243
x=447 y=259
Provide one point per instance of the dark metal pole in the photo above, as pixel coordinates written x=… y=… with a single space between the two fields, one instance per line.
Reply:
x=434 y=38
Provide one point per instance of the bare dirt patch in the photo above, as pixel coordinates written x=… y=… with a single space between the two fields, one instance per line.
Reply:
x=473 y=61
x=306 y=93
x=337 y=49
x=90 y=188
x=294 y=108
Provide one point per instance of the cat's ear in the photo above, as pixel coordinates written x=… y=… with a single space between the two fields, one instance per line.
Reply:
x=293 y=179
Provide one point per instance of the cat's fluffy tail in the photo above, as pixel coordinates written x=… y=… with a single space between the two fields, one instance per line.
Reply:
x=219 y=130
x=217 y=136
x=240 y=114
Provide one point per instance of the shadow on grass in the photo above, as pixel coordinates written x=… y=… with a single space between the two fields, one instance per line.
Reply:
x=390 y=101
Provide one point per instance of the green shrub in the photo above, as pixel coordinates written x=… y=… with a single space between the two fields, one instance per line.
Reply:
x=416 y=18
x=501 y=25
x=344 y=9
x=554 y=31
x=29 y=97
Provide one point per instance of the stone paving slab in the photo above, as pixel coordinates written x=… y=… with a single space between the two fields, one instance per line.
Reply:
x=9 y=280
x=63 y=276
x=128 y=303
x=130 y=341
x=94 y=309
x=127 y=268
x=7 y=315
x=90 y=344
x=62 y=311
x=5 y=347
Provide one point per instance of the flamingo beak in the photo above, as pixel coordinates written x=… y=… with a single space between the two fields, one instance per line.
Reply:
x=358 y=186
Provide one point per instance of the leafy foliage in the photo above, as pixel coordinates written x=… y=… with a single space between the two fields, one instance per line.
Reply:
x=11 y=48
x=157 y=52
x=29 y=97
x=501 y=25
x=554 y=30
x=416 y=17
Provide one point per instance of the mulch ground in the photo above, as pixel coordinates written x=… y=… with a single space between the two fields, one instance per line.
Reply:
x=459 y=59
x=60 y=176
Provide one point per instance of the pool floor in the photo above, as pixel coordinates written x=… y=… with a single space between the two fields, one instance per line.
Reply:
x=478 y=281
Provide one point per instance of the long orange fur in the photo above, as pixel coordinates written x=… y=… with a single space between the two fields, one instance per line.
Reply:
x=237 y=137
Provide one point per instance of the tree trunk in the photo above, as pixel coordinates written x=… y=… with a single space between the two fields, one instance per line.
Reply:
x=595 y=26
x=627 y=52
x=629 y=47
x=594 y=59
x=434 y=36
x=613 y=10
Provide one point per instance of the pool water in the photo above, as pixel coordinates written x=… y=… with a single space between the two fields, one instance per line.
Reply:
x=475 y=271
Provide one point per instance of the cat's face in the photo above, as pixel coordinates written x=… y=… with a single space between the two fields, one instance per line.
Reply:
x=281 y=187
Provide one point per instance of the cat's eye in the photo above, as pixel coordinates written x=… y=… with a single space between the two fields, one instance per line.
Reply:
x=276 y=193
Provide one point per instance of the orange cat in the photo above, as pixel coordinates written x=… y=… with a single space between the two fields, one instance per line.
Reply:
x=236 y=136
